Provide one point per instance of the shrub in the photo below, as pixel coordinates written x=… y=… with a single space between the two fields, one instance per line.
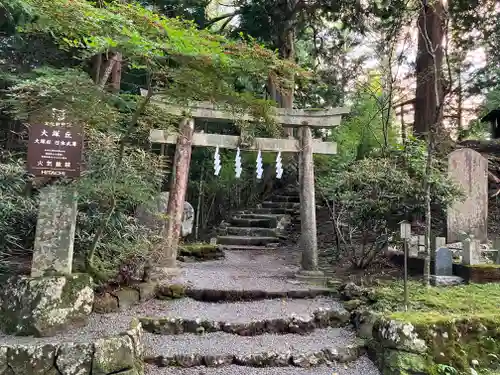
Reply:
x=17 y=213
x=374 y=194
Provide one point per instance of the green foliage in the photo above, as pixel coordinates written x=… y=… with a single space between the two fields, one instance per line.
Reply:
x=17 y=213
x=124 y=241
x=374 y=194
x=367 y=127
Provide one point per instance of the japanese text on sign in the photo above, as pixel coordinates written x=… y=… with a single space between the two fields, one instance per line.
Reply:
x=55 y=151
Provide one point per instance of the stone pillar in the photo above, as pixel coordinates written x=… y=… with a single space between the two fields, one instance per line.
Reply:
x=55 y=232
x=175 y=209
x=308 y=238
x=471 y=252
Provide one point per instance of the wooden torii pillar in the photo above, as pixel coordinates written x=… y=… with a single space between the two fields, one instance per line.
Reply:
x=306 y=146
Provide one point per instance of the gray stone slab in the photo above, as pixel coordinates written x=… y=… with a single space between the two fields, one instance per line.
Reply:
x=469 y=169
x=446 y=280
x=55 y=232
x=443 y=262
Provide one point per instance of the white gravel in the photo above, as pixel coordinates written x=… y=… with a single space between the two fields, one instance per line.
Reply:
x=221 y=343
x=362 y=366
x=99 y=325
x=271 y=270
x=236 y=312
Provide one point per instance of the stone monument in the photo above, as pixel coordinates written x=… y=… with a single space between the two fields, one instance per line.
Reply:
x=469 y=169
x=154 y=217
x=51 y=298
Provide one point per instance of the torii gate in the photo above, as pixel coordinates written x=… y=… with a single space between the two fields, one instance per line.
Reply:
x=306 y=146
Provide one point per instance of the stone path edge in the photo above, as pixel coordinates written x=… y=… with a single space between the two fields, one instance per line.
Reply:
x=342 y=354
x=114 y=354
x=125 y=297
x=217 y=295
x=320 y=318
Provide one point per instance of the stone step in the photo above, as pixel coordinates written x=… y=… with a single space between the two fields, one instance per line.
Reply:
x=258 y=216
x=362 y=366
x=246 y=240
x=275 y=211
x=252 y=232
x=255 y=223
x=269 y=204
x=268 y=247
x=285 y=198
x=219 y=349
x=253 y=318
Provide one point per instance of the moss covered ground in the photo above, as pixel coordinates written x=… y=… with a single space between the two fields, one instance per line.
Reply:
x=438 y=304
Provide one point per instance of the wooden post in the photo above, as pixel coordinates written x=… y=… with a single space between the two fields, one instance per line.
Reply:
x=308 y=239
x=178 y=187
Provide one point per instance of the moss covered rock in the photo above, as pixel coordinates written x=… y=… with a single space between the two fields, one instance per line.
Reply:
x=200 y=252
x=42 y=306
x=112 y=355
x=75 y=359
x=171 y=291
x=399 y=335
x=32 y=359
x=398 y=362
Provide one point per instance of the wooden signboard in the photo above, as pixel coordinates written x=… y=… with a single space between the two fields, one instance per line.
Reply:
x=55 y=151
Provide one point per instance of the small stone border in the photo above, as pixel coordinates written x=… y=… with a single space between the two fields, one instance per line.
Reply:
x=342 y=354
x=215 y=295
x=121 y=354
x=321 y=318
x=126 y=297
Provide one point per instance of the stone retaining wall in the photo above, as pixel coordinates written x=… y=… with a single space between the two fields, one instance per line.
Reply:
x=121 y=354
x=404 y=348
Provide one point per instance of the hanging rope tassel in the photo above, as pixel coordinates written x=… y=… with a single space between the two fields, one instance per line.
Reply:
x=217 y=165
x=237 y=163
x=279 y=166
x=259 y=166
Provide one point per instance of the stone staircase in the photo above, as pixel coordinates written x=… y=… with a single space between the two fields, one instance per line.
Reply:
x=245 y=315
x=262 y=227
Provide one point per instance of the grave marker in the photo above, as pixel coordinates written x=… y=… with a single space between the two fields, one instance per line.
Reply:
x=469 y=169
x=443 y=262
x=471 y=252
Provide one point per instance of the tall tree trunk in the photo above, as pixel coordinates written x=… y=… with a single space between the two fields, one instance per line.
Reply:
x=430 y=38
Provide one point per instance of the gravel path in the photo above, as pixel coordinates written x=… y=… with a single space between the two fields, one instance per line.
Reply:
x=238 y=312
x=270 y=270
x=363 y=366
x=100 y=325
x=221 y=343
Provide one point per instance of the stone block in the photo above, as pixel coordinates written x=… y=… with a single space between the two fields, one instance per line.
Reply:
x=437 y=280
x=43 y=306
x=105 y=303
x=147 y=290
x=398 y=335
x=32 y=359
x=112 y=355
x=75 y=359
x=127 y=297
